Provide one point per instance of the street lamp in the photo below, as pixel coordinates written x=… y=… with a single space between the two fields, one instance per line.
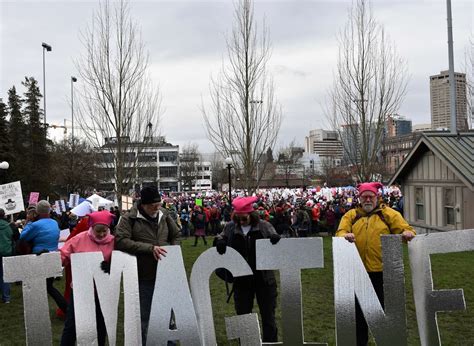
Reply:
x=4 y=165
x=47 y=48
x=228 y=162
x=73 y=80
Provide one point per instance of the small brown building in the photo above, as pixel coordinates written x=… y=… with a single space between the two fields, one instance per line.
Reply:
x=437 y=179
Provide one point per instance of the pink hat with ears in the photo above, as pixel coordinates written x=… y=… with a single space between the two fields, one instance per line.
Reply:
x=244 y=205
x=101 y=217
x=372 y=187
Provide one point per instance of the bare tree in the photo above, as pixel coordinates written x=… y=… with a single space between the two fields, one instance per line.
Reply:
x=244 y=118
x=75 y=167
x=119 y=106
x=369 y=85
x=189 y=160
x=289 y=161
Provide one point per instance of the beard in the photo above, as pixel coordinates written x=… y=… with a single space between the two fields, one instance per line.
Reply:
x=368 y=207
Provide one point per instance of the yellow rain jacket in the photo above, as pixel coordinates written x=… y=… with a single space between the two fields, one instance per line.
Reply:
x=367 y=229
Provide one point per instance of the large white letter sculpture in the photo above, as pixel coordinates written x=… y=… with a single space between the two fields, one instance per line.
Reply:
x=245 y=328
x=33 y=270
x=427 y=300
x=204 y=266
x=85 y=271
x=172 y=294
x=351 y=280
x=289 y=256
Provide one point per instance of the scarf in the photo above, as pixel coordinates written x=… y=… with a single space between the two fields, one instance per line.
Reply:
x=107 y=239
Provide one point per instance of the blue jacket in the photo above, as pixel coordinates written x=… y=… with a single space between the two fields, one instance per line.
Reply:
x=43 y=234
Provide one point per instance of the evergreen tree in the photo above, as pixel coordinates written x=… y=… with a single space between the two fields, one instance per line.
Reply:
x=17 y=134
x=37 y=153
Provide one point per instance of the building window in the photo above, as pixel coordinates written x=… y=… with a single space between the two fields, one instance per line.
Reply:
x=168 y=156
x=449 y=216
x=168 y=172
x=147 y=157
x=419 y=204
x=147 y=172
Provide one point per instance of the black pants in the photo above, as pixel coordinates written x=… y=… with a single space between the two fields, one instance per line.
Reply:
x=56 y=295
x=362 y=329
x=69 y=332
x=245 y=289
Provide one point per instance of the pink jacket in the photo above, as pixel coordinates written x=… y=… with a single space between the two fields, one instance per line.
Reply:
x=84 y=242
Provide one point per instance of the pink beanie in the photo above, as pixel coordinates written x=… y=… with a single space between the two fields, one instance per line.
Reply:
x=244 y=205
x=372 y=187
x=101 y=217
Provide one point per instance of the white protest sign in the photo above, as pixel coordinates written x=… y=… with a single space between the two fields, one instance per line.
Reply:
x=11 y=198
x=73 y=200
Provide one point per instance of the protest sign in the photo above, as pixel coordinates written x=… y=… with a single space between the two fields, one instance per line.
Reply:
x=11 y=198
x=34 y=197
x=73 y=200
x=199 y=202
x=60 y=206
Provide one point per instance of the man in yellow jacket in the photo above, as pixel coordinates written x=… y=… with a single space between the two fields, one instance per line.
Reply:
x=364 y=226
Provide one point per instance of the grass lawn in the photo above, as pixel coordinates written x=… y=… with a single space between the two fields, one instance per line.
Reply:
x=450 y=271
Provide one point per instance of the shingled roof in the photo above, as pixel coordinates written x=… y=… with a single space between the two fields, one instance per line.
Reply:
x=455 y=150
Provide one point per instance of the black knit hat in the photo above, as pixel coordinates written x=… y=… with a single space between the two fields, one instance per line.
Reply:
x=150 y=195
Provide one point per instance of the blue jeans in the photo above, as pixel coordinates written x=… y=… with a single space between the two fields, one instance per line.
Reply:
x=3 y=285
x=145 y=291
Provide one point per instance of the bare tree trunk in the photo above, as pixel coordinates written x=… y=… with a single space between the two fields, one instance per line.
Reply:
x=369 y=85
x=244 y=118
x=118 y=99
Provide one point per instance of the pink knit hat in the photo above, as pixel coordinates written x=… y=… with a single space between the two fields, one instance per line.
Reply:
x=244 y=205
x=103 y=217
x=372 y=187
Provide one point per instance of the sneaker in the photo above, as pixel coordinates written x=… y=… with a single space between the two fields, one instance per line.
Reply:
x=6 y=302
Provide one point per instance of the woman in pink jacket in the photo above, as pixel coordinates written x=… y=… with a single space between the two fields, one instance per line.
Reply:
x=97 y=238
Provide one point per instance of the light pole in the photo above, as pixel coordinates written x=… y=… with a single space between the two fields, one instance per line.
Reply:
x=73 y=80
x=228 y=162
x=258 y=180
x=47 y=48
x=4 y=165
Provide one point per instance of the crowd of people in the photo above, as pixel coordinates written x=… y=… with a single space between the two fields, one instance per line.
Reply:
x=157 y=220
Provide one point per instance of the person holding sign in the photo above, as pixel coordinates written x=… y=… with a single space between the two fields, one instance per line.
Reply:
x=97 y=238
x=364 y=226
x=43 y=234
x=241 y=234
x=142 y=232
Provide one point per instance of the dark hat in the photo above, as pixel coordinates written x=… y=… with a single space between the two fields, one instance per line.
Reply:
x=150 y=195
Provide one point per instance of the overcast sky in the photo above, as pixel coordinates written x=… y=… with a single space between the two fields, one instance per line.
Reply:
x=186 y=42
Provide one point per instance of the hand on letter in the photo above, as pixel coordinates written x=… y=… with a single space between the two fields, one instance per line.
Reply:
x=407 y=235
x=350 y=237
x=158 y=252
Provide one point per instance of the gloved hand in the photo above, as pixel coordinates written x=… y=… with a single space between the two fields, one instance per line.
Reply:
x=42 y=252
x=275 y=238
x=105 y=266
x=221 y=246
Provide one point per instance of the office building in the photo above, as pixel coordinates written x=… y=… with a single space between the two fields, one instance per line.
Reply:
x=397 y=126
x=150 y=162
x=326 y=144
x=440 y=101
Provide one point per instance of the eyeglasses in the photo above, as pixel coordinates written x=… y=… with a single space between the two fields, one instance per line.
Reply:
x=369 y=197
